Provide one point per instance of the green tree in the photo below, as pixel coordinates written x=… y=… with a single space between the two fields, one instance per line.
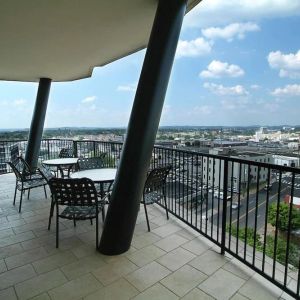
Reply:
x=283 y=216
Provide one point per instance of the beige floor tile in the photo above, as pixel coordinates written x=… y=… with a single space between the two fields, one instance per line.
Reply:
x=147 y=275
x=183 y=280
x=209 y=262
x=83 y=250
x=25 y=257
x=76 y=289
x=30 y=226
x=2 y=266
x=171 y=242
x=8 y=294
x=238 y=296
x=167 y=229
x=16 y=239
x=43 y=296
x=197 y=294
x=114 y=270
x=16 y=275
x=222 y=284
x=54 y=261
x=147 y=239
x=10 y=250
x=39 y=284
x=196 y=246
x=176 y=258
x=239 y=269
x=146 y=255
x=118 y=290
x=157 y=292
x=6 y=233
x=258 y=288
x=82 y=266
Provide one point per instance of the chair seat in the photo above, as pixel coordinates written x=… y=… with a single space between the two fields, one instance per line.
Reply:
x=32 y=183
x=152 y=197
x=79 y=212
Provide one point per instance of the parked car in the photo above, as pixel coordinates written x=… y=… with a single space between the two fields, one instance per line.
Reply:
x=235 y=205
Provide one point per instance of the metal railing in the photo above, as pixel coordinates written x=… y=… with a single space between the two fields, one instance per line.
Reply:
x=251 y=209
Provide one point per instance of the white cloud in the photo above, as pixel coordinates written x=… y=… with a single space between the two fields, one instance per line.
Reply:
x=203 y=109
x=288 y=64
x=127 y=88
x=219 y=89
x=230 y=32
x=289 y=90
x=89 y=99
x=193 y=48
x=219 y=12
x=255 y=87
x=19 y=102
x=218 y=69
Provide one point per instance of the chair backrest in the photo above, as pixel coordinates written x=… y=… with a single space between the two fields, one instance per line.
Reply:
x=66 y=153
x=73 y=192
x=91 y=162
x=157 y=178
x=20 y=167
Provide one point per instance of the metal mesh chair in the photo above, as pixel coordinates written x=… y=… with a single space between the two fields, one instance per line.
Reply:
x=91 y=162
x=66 y=153
x=79 y=199
x=155 y=189
x=26 y=179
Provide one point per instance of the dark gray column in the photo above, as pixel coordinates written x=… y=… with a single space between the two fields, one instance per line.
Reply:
x=37 y=122
x=143 y=124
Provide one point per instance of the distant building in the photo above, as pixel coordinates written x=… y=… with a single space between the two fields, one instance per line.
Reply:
x=296 y=201
x=286 y=161
x=213 y=169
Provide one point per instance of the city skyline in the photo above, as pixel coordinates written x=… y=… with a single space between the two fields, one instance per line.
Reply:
x=236 y=65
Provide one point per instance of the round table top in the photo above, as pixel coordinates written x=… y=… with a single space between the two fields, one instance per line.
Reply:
x=97 y=175
x=61 y=161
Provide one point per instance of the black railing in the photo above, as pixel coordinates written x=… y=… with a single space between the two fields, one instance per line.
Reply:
x=251 y=209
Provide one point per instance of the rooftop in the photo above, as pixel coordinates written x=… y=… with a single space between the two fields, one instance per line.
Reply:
x=172 y=261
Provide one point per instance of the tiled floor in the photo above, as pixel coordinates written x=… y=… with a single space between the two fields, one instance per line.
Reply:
x=170 y=262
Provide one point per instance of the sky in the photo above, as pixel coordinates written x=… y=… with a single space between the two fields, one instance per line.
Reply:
x=237 y=64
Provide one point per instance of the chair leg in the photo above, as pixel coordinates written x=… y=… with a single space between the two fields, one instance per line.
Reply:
x=45 y=191
x=74 y=221
x=28 y=194
x=51 y=213
x=148 y=225
x=21 y=198
x=15 y=195
x=57 y=227
x=91 y=220
x=165 y=198
x=97 y=228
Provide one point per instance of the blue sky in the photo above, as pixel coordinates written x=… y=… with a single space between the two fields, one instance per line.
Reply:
x=237 y=63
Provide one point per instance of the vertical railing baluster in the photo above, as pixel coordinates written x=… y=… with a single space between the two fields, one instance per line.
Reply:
x=224 y=212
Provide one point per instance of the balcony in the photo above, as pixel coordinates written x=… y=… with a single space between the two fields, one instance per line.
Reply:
x=180 y=257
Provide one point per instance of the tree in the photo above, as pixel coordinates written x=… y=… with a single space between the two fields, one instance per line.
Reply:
x=283 y=216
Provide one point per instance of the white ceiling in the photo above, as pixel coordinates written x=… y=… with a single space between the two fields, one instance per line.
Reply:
x=65 y=39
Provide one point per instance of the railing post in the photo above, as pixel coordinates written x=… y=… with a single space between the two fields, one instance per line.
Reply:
x=94 y=148
x=75 y=149
x=224 y=212
x=48 y=149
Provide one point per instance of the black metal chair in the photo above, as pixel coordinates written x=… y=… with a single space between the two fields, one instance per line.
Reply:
x=80 y=200
x=95 y=163
x=26 y=179
x=66 y=153
x=66 y=170
x=91 y=162
x=155 y=189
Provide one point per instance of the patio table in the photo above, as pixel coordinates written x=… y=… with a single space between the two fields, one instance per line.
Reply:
x=101 y=176
x=61 y=163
